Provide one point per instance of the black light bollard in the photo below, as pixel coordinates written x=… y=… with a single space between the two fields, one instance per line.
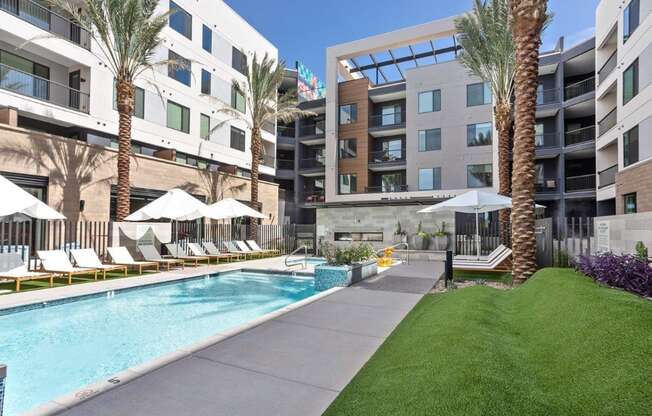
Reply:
x=3 y=376
x=448 y=273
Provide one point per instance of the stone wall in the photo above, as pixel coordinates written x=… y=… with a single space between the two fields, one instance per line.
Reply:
x=625 y=231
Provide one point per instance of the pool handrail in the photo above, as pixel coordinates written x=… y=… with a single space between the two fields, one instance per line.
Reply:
x=407 y=250
x=305 y=256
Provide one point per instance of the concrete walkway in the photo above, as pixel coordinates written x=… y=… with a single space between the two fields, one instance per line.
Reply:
x=295 y=364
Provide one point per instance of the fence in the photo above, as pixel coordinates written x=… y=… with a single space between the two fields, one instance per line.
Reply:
x=465 y=237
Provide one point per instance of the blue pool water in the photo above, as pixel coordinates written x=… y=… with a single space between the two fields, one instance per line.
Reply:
x=315 y=261
x=54 y=350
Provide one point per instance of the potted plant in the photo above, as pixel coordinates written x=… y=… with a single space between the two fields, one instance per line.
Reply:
x=400 y=236
x=420 y=239
x=439 y=239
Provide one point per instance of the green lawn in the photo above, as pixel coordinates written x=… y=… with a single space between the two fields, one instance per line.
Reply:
x=558 y=345
x=459 y=275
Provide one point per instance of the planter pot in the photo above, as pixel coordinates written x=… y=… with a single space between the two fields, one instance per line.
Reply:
x=327 y=277
x=419 y=243
x=439 y=243
x=399 y=238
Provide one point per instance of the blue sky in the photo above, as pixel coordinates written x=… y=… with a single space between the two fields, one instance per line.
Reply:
x=303 y=29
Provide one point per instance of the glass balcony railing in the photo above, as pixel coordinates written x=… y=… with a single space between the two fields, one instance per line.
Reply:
x=313 y=129
x=285 y=131
x=607 y=177
x=389 y=187
x=269 y=161
x=608 y=121
x=585 y=134
x=579 y=88
x=44 y=18
x=580 y=183
x=387 y=120
x=546 y=140
x=383 y=156
x=548 y=96
x=608 y=67
x=284 y=164
x=312 y=197
x=315 y=162
x=24 y=83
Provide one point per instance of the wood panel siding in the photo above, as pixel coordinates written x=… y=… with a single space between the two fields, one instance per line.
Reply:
x=355 y=92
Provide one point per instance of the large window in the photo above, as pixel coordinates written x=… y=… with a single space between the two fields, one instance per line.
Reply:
x=630 y=146
x=13 y=76
x=237 y=139
x=629 y=201
x=207 y=38
x=239 y=61
x=139 y=100
x=429 y=101
x=392 y=182
x=478 y=94
x=178 y=117
x=238 y=100
x=179 y=68
x=631 y=16
x=479 y=176
x=348 y=183
x=391 y=115
x=348 y=149
x=478 y=134
x=348 y=113
x=630 y=82
x=429 y=179
x=363 y=236
x=180 y=20
x=204 y=127
x=205 y=82
x=429 y=140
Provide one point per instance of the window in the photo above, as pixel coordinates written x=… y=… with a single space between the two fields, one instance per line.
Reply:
x=139 y=100
x=363 y=236
x=391 y=149
x=391 y=115
x=180 y=20
x=429 y=101
x=539 y=138
x=348 y=149
x=539 y=171
x=630 y=82
x=238 y=100
x=348 y=183
x=348 y=113
x=392 y=182
x=12 y=76
x=479 y=176
x=205 y=82
x=429 y=140
x=179 y=69
x=178 y=117
x=429 y=179
x=239 y=61
x=204 y=127
x=630 y=203
x=630 y=19
x=207 y=39
x=237 y=139
x=630 y=146
x=478 y=94
x=478 y=134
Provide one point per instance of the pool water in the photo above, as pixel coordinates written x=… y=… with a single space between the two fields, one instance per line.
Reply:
x=315 y=261
x=57 y=349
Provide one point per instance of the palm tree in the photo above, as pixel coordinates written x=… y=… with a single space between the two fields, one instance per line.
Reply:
x=126 y=34
x=264 y=106
x=528 y=18
x=488 y=52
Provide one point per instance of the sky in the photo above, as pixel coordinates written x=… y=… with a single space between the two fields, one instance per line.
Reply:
x=302 y=30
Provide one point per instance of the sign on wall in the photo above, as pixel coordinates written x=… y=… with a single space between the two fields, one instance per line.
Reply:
x=309 y=87
x=603 y=243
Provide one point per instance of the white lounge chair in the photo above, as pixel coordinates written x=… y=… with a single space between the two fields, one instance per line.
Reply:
x=120 y=255
x=86 y=258
x=178 y=253
x=497 y=260
x=13 y=268
x=197 y=250
x=212 y=249
x=245 y=249
x=56 y=261
x=150 y=253
x=230 y=247
x=254 y=246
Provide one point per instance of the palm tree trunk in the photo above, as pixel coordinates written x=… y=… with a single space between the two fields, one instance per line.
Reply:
x=528 y=17
x=503 y=114
x=125 y=110
x=255 y=161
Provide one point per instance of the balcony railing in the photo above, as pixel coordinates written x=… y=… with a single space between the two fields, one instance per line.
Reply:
x=312 y=129
x=285 y=131
x=285 y=164
x=585 y=134
x=546 y=186
x=317 y=162
x=548 y=96
x=386 y=188
x=608 y=67
x=40 y=16
x=608 y=121
x=387 y=120
x=315 y=197
x=607 y=177
x=579 y=88
x=546 y=140
x=382 y=156
x=269 y=127
x=267 y=160
x=24 y=83
x=580 y=183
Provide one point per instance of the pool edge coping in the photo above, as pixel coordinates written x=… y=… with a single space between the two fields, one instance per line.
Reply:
x=83 y=394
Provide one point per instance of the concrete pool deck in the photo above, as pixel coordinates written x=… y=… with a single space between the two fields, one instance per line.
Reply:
x=295 y=363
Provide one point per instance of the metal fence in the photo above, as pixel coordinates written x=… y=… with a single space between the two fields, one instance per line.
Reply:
x=465 y=237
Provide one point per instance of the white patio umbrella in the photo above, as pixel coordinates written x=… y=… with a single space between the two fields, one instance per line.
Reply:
x=17 y=201
x=229 y=208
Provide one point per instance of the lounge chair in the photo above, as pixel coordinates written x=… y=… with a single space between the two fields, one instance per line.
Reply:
x=120 y=255
x=150 y=253
x=87 y=259
x=254 y=246
x=197 y=250
x=212 y=249
x=498 y=261
x=56 y=261
x=232 y=248
x=244 y=247
x=176 y=251
x=13 y=268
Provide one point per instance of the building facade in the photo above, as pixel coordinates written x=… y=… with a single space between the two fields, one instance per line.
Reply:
x=54 y=86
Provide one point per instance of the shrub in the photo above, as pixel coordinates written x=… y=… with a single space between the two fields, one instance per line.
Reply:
x=641 y=251
x=337 y=256
x=627 y=272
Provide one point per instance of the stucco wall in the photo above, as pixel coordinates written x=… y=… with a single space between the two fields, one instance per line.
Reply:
x=626 y=230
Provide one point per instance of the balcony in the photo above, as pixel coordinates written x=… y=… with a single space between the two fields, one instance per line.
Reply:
x=42 y=17
x=548 y=96
x=546 y=140
x=580 y=183
x=315 y=197
x=24 y=83
x=387 y=188
x=315 y=162
x=388 y=119
x=313 y=129
x=608 y=67
x=285 y=131
x=583 y=135
x=579 y=88
x=384 y=156
x=269 y=161
x=548 y=185
x=607 y=177
x=608 y=122
x=284 y=164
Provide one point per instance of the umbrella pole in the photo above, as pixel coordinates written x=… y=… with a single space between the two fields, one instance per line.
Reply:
x=477 y=233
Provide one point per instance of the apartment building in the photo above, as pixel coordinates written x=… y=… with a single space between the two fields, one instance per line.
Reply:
x=58 y=97
x=623 y=67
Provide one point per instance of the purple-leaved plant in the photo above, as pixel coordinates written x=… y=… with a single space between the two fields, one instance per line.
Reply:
x=626 y=272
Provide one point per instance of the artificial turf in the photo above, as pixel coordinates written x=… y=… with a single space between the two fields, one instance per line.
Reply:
x=558 y=345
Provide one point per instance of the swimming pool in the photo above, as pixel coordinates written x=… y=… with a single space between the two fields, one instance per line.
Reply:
x=56 y=349
x=315 y=261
